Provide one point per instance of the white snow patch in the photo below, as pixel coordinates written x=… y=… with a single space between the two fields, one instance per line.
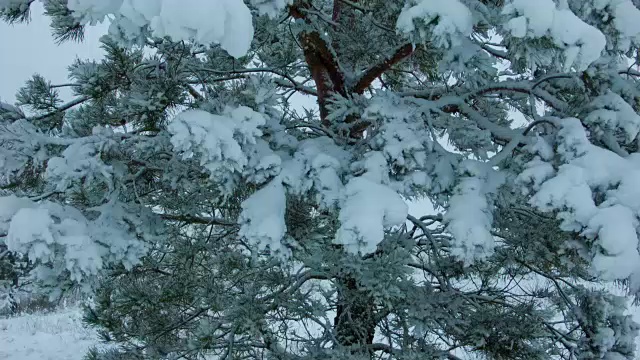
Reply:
x=453 y=20
x=582 y=42
x=217 y=139
x=6 y=4
x=316 y=165
x=262 y=218
x=270 y=7
x=469 y=214
x=56 y=336
x=625 y=19
x=368 y=208
x=224 y=22
x=79 y=162
x=63 y=242
x=9 y=206
x=611 y=112
x=612 y=224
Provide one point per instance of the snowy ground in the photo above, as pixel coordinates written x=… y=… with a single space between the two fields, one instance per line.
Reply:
x=55 y=336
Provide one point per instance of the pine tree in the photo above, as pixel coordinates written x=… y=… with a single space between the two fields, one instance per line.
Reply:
x=207 y=214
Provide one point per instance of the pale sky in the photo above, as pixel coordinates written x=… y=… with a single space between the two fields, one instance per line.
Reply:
x=29 y=48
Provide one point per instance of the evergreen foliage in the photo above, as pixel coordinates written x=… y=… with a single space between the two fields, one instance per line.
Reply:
x=185 y=189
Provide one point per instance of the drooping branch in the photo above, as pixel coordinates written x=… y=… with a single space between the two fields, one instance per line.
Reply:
x=197 y=220
x=354 y=4
x=62 y=108
x=296 y=86
x=504 y=87
x=282 y=78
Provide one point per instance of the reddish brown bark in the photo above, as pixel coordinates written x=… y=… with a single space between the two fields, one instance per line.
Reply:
x=324 y=66
x=321 y=61
x=373 y=73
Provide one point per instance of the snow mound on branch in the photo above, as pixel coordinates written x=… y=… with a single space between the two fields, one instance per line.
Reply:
x=368 y=208
x=9 y=112
x=453 y=19
x=6 y=4
x=469 y=213
x=625 y=17
x=79 y=162
x=60 y=239
x=264 y=163
x=93 y=11
x=270 y=7
x=54 y=235
x=612 y=113
x=316 y=166
x=610 y=225
x=20 y=146
x=9 y=206
x=582 y=42
x=367 y=205
x=224 y=22
x=403 y=137
x=535 y=173
x=262 y=218
x=217 y=139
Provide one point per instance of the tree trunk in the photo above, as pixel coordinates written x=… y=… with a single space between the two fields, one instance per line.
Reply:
x=355 y=316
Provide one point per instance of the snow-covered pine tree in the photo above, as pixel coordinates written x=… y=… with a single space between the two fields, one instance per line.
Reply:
x=209 y=215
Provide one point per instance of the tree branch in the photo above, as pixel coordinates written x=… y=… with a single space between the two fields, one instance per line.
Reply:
x=354 y=5
x=193 y=92
x=370 y=75
x=522 y=87
x=197 y=220
x=294 y=84
x=63 y=108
